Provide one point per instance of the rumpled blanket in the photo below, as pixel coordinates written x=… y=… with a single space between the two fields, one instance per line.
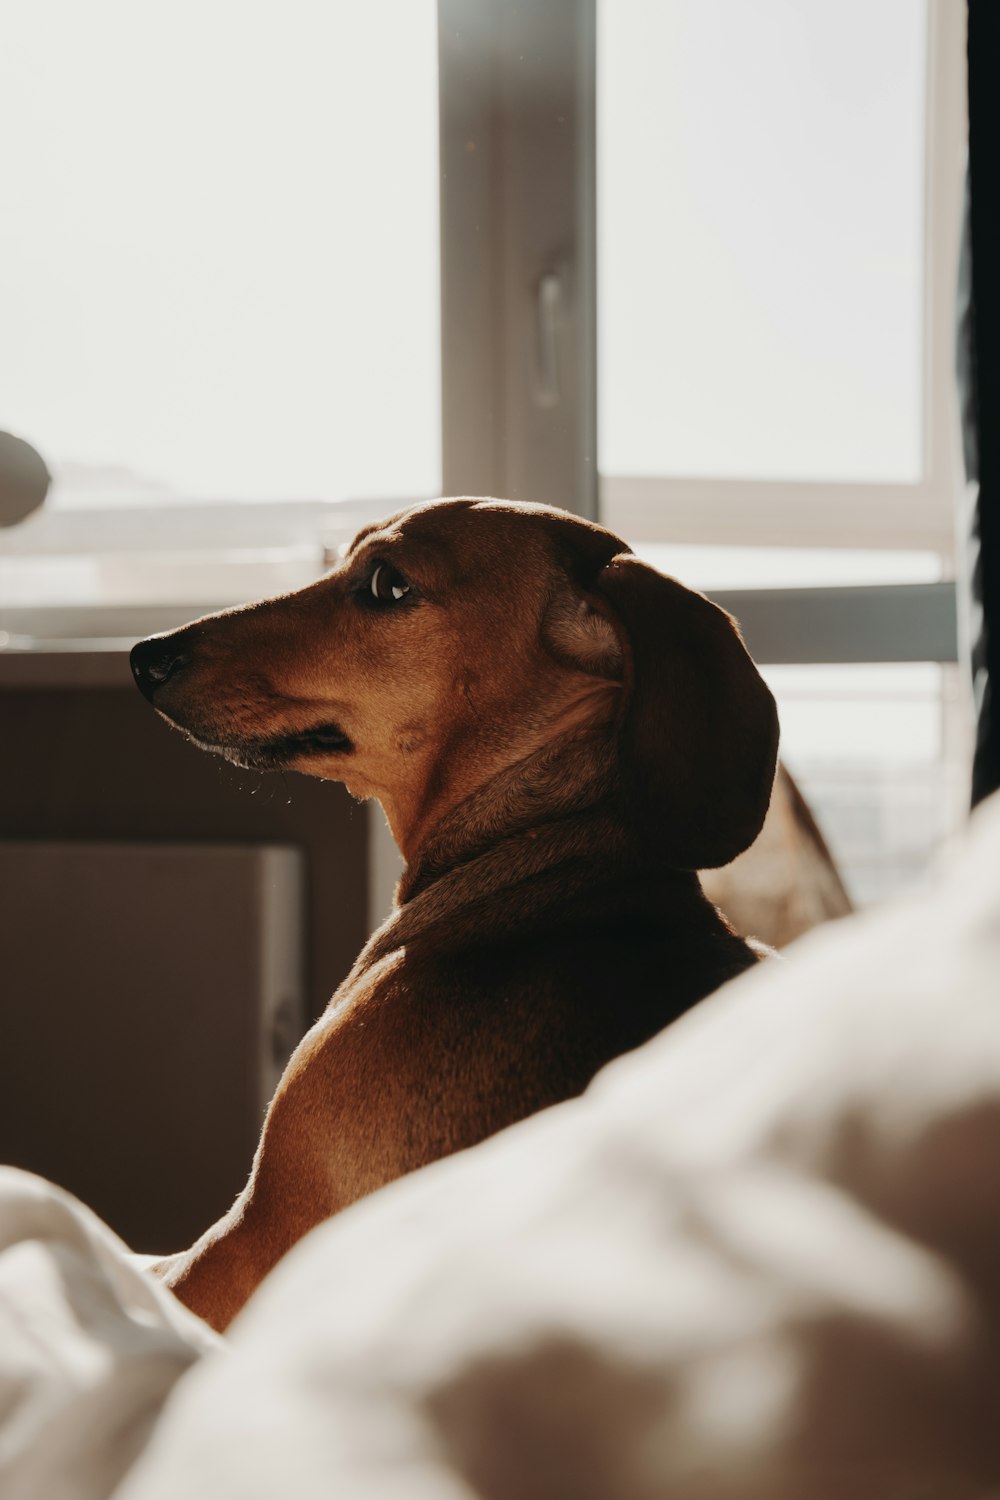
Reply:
x=90 y=1345
x=758 y=1260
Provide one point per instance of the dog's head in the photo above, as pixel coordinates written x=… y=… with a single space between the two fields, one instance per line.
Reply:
x=458 y=637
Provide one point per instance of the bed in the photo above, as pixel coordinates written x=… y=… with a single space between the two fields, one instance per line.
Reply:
x=760 y=1257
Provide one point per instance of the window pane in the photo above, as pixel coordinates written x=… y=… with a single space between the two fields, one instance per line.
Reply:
x=707 y=568
x=219 y=271
x=760 y=237
x=881 y=754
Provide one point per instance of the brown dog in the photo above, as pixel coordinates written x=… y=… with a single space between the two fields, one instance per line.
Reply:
x=560 y=737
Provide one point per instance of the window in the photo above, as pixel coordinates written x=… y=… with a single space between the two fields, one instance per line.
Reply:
x=760 y=233
x=223 y=285
x=777 y=233
x=219 y=274
x=880 y=753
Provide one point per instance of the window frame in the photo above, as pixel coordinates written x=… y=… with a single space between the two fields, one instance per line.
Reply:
x=918 y=515
x=521 y=448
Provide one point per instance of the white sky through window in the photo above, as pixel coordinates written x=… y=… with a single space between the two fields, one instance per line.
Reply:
x=219 y=269
x=760 y=232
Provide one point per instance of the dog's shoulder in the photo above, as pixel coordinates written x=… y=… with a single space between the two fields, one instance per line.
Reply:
x=448 y=1030
x=564 y=981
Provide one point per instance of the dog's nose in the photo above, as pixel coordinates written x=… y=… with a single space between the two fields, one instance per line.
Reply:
x=155 y=660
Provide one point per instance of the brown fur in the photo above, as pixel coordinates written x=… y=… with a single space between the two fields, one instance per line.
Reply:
x=560 y=737
x=787 y=882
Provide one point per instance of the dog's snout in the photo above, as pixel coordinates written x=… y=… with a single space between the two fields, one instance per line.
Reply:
x=156 y=660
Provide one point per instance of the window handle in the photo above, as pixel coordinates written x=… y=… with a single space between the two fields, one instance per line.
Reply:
x=548 y=301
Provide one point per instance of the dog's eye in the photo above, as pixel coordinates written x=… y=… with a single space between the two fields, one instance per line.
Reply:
x=388 y=584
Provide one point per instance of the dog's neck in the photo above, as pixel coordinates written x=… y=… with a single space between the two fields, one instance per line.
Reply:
x=572 y=775
x=547 y=832
x=479 y=784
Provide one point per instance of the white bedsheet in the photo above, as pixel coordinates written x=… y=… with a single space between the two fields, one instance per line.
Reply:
x=90 y=1346
x=759 y=1259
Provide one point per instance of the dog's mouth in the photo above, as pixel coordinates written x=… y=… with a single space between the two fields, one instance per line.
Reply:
x=279 y=750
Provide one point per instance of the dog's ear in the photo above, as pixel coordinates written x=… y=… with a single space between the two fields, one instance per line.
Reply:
x=582 y=636
x=698 y=735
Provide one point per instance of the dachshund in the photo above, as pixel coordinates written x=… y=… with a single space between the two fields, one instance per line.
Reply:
x=560 y=738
